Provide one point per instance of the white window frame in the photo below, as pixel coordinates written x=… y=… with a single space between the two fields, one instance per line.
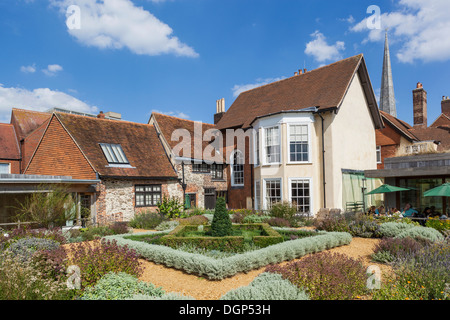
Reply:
x=232 y=169
x=378 y=152
x=311 y=194
x=288 y=138
x=264 y=146
x=9 y=166
x=257 y=194
x=265 y=202
x=257 y=153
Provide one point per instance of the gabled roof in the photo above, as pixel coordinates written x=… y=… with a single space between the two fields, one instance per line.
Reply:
x=139 y=142
x=9 y=146
x=442 y=120
x=169 y=124
x=26 y=121
x=324 y=88
x=400 y=126
x=439 y=134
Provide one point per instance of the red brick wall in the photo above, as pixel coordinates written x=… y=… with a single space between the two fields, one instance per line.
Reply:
x=389 y=140
x=57 y=154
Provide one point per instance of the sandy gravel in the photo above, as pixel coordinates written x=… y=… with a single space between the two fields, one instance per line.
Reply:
x=172 y=280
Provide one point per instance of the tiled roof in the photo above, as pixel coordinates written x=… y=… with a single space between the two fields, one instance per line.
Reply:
x=442 y=120
x=26 y=121
x=139 y=142
x=324 y=88
x=169 y=124
x=400 y=125
x=440 y=134
x=9 y=147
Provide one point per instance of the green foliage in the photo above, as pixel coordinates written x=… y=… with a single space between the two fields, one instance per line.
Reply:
x=254 y=218
x=421 y=232
x=147 y=220
x=98 y=258
x=216 y=269
x=392 y=229
x=325 y=276
x=50 y=206
x=170 y=208
x=267 y=286
x=120 y=286
x=24 y=248
x=167 y=225
x=21 y=280
x=221 y=225
x=440 y=225
x=285 y=210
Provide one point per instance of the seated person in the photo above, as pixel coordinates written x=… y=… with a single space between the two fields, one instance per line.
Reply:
x=408 y=211
x=371 y=211
x=434 y=213
x=380 y=211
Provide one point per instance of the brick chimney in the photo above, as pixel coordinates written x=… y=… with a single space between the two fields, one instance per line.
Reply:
x=101 y=115
x=220 y=110
x=445 y=106
x=420 y=106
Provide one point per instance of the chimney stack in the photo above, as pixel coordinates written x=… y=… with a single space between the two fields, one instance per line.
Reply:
x=445 y=106
x=420 y=106
x=101 y=115
x=220 y=110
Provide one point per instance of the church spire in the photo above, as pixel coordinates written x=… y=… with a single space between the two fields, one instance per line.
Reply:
x=387 y=97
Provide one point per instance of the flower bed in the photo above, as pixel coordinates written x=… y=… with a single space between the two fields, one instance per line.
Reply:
x=216 y=269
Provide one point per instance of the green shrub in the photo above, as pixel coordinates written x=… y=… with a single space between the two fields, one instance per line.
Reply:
x=147 y=220
x=194 y=220
x=440 y=225
x=392 y=229
x=364 y=228
x=284 y=210
x=120 y=286
x=93 y=233
x=254 y=218
x=421 y=232
x=221 y=225
x=98 y=258
x=267 y=286
x=333 y=224
x=24 y=248
x=167 y=225
x=171 y=208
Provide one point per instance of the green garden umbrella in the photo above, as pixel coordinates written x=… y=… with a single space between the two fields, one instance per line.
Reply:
x=441 y=191
x=385 y=188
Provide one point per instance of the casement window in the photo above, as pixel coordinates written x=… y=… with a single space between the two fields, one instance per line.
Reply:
x=237 y=168
x=147 y=195
x=300 y=190
x=114 y=153
x=379 y=154
x=272 y=192
x=217 y=171
x=4 y=168
x=201 y=168
x=272 y=145
x=299 y=143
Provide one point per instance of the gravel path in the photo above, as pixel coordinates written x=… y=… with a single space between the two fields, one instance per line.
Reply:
x=172 y=280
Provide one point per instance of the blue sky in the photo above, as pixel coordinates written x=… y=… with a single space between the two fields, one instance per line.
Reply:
x=179 y=56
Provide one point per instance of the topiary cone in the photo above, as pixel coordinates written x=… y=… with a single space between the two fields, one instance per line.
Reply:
x=221 y=224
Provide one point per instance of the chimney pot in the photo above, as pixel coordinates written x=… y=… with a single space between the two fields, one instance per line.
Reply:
x=295 y=73
x=101 y=115
x=419 y=85
x=305 y=70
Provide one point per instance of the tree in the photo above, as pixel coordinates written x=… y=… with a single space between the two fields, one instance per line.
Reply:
x=221 y=224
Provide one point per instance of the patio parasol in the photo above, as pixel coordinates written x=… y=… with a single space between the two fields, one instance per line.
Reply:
x=386 y=188
x=441 y=191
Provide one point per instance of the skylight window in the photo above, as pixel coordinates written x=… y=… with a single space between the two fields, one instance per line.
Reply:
x=114 y=153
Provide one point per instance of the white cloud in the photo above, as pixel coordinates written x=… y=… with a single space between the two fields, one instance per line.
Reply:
x=52 y=69
x=239 y=88
x=117 y=24
x=420 y=27
x=321 y=50
x=40 y=99
x=28 y=69
x=177 y=114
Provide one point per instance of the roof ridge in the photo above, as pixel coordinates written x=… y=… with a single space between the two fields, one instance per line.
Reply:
x=299 y=75
x=28 y=110
x=166 y=115
x=101 y=119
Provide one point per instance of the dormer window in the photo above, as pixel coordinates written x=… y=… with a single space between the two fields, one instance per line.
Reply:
x=114 y=153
